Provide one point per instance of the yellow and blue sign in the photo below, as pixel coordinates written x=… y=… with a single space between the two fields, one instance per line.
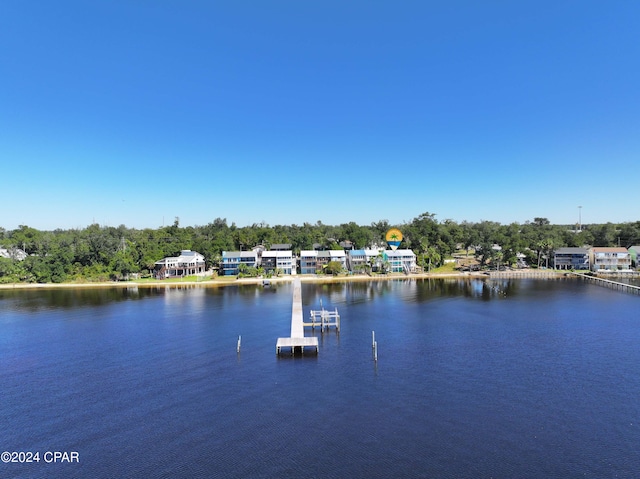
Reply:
x=394 y=238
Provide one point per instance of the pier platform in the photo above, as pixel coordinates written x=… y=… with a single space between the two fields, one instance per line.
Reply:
x=297 y=341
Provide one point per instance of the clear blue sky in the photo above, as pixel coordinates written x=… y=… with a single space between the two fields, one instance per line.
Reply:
x=137 y=112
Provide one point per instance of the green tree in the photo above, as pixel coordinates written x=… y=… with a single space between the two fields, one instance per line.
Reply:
x=122 y=265
x=333 y=267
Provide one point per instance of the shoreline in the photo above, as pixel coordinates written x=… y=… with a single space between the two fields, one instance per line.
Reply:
x=286 y=279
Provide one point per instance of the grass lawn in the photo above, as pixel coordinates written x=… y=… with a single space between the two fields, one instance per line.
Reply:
x=446 y=268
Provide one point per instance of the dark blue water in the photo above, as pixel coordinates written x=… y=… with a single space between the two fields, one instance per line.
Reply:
x=503 y=379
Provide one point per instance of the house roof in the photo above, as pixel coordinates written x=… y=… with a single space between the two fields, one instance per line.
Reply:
x=186 y=256
x=399 y=252
x=239 y=254
x=609 y=250
x=571 y=250
x=277 y=254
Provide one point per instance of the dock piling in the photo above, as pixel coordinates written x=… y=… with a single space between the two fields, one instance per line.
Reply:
x=239 y=341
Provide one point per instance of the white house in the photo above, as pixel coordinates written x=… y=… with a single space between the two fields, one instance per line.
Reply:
x=188 y=263
x=610 y=259
x=401 y=260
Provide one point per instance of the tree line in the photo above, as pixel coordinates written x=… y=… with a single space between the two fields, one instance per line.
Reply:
x=103 y=253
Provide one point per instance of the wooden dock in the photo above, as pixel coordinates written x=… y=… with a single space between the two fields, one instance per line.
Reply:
x=627 y=288
x=527 y=273
x=297 y=341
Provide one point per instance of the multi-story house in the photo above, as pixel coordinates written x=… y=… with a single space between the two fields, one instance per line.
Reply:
x=231 y=261
x=308 y=262
x=188 y=263
x=400 y=260
x=362 y=259
x=324 y=257
x=610 y=259
x=571 y=258
x=356 y=260
x=278 y=260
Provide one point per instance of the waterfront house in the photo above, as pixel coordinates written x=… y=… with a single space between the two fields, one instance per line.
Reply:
x=374 y=257
x=231 y=261
x=308 y=262
x=610 y=259
x=187 y=263
x=571 y=258
x=324 y=257
x=359 y=260
x=356 y=260
x=400 y=260
x=278 y=260
x=634 y=251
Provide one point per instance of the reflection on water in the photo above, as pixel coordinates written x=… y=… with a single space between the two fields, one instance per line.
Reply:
x=423 y=289
x=475 y=378
x=313 y=293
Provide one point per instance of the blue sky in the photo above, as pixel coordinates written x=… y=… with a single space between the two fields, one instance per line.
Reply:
x=137 y=112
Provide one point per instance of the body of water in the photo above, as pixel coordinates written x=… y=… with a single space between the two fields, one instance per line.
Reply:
x=474 y=379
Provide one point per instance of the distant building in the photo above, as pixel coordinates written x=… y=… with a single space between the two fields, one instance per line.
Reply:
x=610 y=259
x=571 y=258
x=346 y=245
x=13 y=253
x=188 y=263
x=231 y=261
x=280 y=247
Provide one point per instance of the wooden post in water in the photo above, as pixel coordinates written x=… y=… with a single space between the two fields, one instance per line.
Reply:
x=375 y=351
x=373 y=339
x=239 y=341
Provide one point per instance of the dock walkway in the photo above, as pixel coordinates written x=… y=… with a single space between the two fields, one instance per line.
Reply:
x=627 y=288
x=297 y=341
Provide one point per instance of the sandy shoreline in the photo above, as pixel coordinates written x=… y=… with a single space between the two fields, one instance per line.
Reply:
x=253 y=281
